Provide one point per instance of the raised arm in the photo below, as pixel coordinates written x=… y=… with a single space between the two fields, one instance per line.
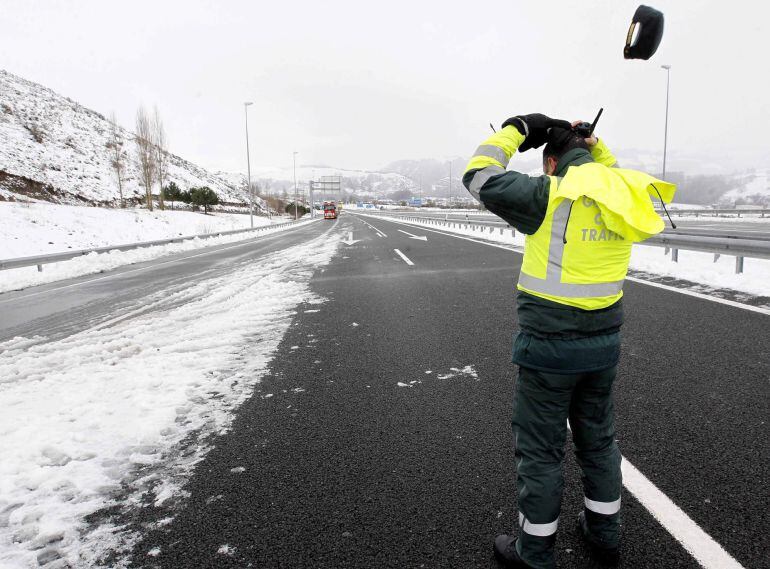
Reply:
x=519 y=199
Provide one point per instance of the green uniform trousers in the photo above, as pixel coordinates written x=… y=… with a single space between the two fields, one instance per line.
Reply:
x=542 y=403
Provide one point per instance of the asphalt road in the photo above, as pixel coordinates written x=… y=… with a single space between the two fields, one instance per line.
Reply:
x=342 y=467
x=66 y=307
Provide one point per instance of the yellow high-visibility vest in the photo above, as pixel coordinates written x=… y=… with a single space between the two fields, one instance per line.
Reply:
x=579 y=255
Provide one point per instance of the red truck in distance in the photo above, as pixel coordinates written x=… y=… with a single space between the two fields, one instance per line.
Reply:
x=330 y=210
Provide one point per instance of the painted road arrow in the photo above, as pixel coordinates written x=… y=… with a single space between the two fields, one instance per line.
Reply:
x=418 y=237
x=350 y=240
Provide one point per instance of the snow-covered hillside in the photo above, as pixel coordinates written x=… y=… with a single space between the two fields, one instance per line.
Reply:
x=753 y=188
x=57 y=150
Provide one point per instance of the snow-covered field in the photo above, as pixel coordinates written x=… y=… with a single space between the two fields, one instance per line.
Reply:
x=41 y=228
x=693 y=266
x=88 y=416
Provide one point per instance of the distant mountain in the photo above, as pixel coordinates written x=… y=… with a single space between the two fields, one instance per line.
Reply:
x=698 y=183
x=355 y=184
x=431 y=176
x=752 y=188
x=55 y=149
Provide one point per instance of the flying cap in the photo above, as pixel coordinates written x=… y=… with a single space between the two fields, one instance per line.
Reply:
x=649 y=36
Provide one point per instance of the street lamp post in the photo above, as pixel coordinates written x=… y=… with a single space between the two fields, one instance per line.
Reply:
x=296 y=215
x=665 y=133
x=248 y=165
x=450 y=184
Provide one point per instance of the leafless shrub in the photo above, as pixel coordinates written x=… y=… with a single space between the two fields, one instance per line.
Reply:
x=145 y=152
x=117 y=161
x=36 y=131
x=161 y=154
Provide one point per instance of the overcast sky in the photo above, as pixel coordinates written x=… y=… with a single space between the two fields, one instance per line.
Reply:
x=359 y=84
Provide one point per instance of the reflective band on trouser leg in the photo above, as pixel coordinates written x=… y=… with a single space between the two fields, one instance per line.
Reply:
x=492 y=151
x=480 y=178
x=538 y=530
x=604 y=508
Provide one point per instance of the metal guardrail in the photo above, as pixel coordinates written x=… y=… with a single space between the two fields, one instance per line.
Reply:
x=41 y=260
x=716 y=212
x=707 y=212
x=733 y=245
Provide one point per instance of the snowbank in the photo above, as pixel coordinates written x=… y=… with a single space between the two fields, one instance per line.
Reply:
x=37 y=229
x=88 y=416
x=41 y=228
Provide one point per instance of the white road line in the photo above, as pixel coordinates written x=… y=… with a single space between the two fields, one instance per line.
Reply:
x=702 y=296
x=404 y=257
x=704 y=549
x=154 y=265
x=418 y=237
x=380 y=233
x=350 y=240
x=697 y=542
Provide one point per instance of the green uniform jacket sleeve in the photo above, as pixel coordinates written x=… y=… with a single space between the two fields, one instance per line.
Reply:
x=519 y=199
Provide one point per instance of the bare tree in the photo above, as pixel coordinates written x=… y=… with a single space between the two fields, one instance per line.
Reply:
x=118 y=154
x=161 y=154
x=145 y=151
x=266 y=185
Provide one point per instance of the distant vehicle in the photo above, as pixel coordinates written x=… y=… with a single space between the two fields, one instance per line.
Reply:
x=330 y=210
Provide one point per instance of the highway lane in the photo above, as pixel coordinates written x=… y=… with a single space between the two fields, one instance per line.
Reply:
x=345 y=468
x=65 y=307
x=703 y=373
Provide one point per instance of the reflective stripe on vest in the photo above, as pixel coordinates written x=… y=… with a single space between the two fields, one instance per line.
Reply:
x=552 y=284
x=492 y=151
x=480 y=178
x=539 y=530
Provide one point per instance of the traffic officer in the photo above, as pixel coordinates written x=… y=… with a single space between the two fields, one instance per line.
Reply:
x=580 y=220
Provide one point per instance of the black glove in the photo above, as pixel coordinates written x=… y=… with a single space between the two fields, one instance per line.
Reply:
x=535 y=127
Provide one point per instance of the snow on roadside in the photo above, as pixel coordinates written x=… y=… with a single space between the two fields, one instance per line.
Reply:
x=14 y=279
x=692 y=266
x=42 y=228
x=699 y=267
x=83 y=414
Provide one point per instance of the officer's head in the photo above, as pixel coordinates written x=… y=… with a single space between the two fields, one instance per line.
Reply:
x=560 y=141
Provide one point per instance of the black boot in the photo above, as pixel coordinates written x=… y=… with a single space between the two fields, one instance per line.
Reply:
x=607 y=555
x=505 y=552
